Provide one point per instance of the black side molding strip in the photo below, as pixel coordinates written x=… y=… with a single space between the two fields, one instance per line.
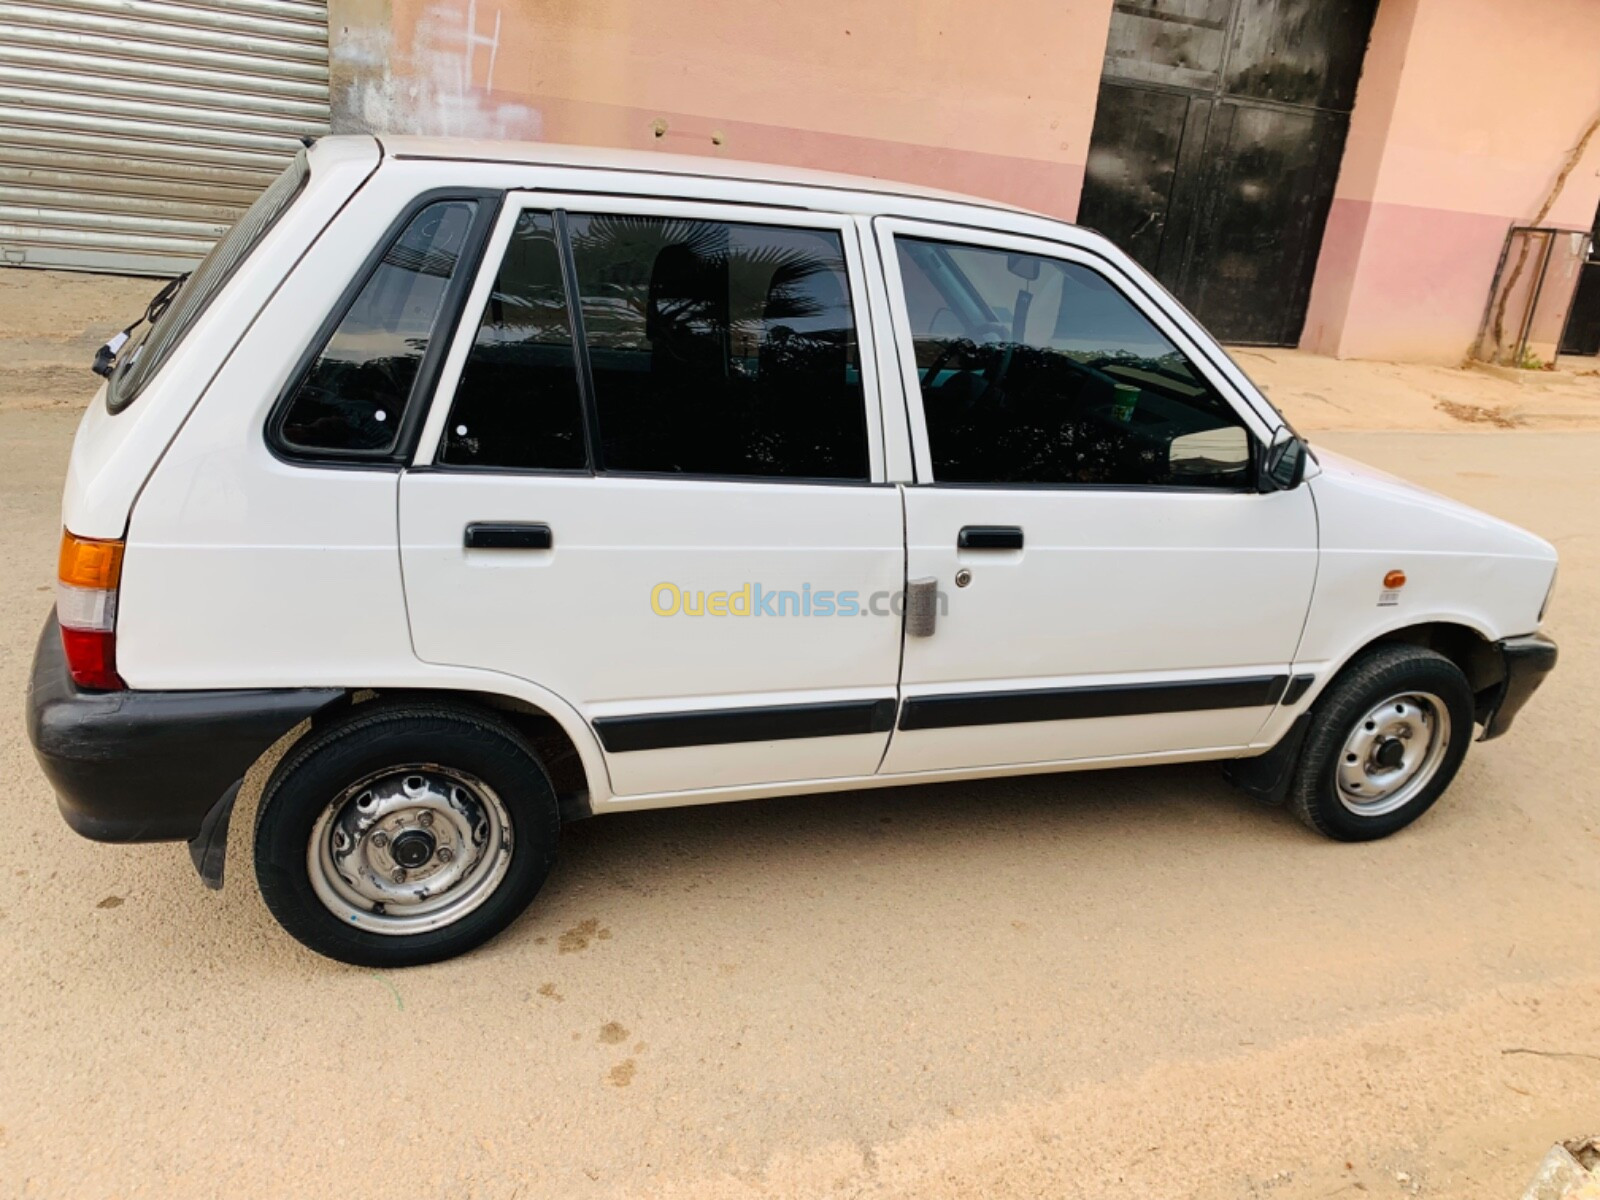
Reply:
x=722 y=726
x=507 y=535
x=1073 y=704
x=1298 y=687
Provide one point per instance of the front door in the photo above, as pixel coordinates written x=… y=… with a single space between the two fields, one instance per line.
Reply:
x=1111 y=582
x=652 y=482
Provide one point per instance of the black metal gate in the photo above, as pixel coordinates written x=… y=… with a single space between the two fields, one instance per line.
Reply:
x=1582 y=335
x=1216 y=147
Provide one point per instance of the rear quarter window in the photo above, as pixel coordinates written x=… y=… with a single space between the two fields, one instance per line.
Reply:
x=351 y=400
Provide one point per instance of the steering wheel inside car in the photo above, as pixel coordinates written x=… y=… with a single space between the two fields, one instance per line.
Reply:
x=987 y=361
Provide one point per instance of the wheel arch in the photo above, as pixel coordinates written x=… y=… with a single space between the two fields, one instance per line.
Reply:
x=557 y=734
x=1469 y=648
x=1266 y=776
x=545 y=733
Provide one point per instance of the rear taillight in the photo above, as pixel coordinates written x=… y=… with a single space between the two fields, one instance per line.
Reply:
x=86 y=608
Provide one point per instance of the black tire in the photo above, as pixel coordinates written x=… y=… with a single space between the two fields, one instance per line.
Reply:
x=1369 y=679
x=383 y=737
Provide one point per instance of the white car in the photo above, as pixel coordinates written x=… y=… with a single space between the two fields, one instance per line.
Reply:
x=490 y=486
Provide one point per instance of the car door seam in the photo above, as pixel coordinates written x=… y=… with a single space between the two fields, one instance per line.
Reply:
x=900 y=671
x=1305 y=621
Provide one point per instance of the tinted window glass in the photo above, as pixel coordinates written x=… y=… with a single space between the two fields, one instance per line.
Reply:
x=1035 y=370
x=517 y=404
x=720 y=349
x=155 y=345
x=353 y=397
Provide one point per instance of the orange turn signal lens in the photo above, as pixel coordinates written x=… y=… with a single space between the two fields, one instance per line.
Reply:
x=89 y=562
x=1391 y=581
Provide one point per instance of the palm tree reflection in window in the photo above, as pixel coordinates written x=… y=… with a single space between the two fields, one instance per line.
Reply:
x=720 y=348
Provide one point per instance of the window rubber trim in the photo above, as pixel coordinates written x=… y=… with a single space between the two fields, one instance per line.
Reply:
x=580 y=343
x=489 y=201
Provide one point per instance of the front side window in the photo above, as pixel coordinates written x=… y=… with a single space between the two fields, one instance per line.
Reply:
x=518 y=405
x=1039 y=371
x=719 y=348
x=355 y=393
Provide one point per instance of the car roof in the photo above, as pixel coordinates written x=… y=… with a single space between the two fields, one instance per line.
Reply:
x=875 y=195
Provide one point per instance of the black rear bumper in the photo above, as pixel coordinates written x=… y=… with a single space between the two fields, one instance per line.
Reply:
x=1527 y=661
x=141 y=766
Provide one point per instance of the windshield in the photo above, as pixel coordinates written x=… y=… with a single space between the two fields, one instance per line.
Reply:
x=139 y=361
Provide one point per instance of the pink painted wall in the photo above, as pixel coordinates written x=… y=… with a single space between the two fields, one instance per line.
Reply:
x=994 y=101
x=1467 y=109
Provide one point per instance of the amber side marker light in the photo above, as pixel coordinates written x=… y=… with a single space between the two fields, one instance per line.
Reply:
x=1394 y=579
x=87 y=575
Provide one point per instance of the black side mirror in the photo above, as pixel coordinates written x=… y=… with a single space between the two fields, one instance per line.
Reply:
x=1284 y=464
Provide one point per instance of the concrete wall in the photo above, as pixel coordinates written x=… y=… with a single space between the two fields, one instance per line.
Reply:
x=1466 y=112
x=997 y=101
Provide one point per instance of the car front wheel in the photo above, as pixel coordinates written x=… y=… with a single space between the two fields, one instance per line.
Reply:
x=1386 y=739
x=405 y=834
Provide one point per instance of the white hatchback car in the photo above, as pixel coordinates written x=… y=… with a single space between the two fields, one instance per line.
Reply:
x=498 y=485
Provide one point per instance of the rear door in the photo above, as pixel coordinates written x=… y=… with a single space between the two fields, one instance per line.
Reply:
x=1111 y=582
x=652 y=482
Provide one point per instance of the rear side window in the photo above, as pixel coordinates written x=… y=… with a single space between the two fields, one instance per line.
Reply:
x=352 y=399
x=145 y=358
x=518 y=405
x=719 y=348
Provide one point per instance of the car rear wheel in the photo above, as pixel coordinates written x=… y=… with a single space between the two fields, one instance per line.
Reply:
x=1386 y=739
x=405 y=834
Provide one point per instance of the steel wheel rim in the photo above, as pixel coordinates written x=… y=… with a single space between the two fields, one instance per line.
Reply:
x=1392 y=753
x=409 y=849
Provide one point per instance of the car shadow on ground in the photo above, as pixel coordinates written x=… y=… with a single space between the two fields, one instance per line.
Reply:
x=959 y=828
x=882 y=844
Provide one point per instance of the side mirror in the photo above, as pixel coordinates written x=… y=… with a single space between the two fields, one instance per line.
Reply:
x=1221 y=451
x=1284 y=465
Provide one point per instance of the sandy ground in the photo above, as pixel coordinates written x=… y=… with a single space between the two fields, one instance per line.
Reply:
x=1320 y=394
x=1126 y=983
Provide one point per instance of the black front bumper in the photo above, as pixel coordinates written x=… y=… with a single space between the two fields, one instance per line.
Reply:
x=1527 y=661
x=138 y=766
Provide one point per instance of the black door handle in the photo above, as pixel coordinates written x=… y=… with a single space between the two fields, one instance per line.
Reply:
x=989 y=537
x=507 y=535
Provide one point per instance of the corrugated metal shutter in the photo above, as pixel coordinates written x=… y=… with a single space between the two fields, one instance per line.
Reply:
x=134 y=132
